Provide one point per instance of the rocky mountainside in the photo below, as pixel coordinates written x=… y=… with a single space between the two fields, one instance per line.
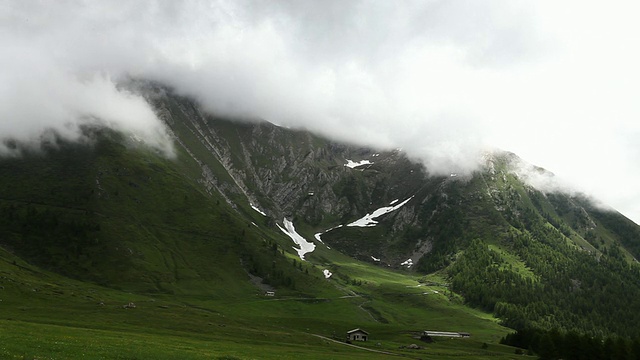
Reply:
x=323 y=185
x=242 y=198
x=383 y=208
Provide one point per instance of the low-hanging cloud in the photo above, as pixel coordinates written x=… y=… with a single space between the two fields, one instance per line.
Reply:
x=42 y=92
x=347 y=70
x=62 y=103
x=443 y=80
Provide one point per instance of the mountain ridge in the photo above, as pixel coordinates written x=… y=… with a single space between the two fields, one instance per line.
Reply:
x=443 y=217
x=216 y=222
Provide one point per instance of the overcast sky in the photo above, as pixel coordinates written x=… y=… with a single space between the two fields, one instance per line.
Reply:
x=556 y=82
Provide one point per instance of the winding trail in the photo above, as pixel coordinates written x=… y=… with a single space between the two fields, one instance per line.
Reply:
x=360 y=347
x=367 y=311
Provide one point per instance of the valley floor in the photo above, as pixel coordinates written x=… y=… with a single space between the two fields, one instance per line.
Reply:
x=46 y=316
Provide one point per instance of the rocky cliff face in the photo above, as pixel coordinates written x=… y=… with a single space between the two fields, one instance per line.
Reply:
x=323 y=185
x=239 y=195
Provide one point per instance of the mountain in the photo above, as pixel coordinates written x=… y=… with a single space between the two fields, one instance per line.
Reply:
x=247 y=207
x=535 y=258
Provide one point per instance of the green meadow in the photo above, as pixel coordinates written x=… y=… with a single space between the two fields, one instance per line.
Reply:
x=47 y=316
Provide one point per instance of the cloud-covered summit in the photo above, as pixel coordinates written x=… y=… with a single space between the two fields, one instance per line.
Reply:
x=444 y=80
x=348 y=70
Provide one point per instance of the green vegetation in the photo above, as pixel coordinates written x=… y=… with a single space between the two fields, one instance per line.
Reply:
x=551 y=345
x=110 y=250
x=72 y=268
x=556 y=282
x=69 y=319
x=573 y=293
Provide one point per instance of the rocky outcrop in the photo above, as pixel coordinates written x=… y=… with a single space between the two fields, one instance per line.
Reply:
x=323 y=184
x=293 y=174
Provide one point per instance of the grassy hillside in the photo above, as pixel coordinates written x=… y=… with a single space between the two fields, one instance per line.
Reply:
x=44 y=315
x=88 y=229
x=119 y=216
x=545 y=261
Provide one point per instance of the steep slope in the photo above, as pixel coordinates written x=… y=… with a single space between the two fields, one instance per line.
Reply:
x=158 y=264
x=120 y=215
x=543 y=260
x=326 y=184
x=247 y=206
x=380 y=207
x=314 y=182
x=383 y=208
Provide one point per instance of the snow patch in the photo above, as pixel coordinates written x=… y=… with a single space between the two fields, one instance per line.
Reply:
x=394 y=201
x=352 y=164
x=368 y=220
x=258 y=210
x=327 y=273
x=304 y=246
x=318 y=235
x=375 y=259
x=136 y=138
x=408 y=263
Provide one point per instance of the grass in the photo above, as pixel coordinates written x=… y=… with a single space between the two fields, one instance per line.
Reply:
x=175 y=254
x=56 y=342
x=513 y=263
x=69 y=319
x=23 y=340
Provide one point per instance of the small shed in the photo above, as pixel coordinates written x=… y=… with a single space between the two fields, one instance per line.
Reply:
x=269 y=293
x=357 y=335
x=449 y=334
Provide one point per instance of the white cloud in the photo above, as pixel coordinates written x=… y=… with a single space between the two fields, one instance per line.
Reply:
x=555 y=82
x=49 y=81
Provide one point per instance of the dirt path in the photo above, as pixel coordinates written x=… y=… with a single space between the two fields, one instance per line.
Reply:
x=360 y=347
x=367 y=311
